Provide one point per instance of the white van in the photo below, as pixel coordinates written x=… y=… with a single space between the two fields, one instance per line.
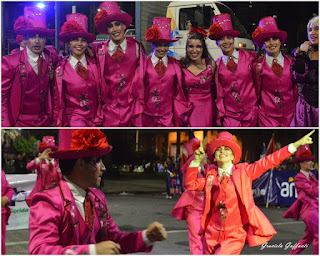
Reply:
x=202 y=12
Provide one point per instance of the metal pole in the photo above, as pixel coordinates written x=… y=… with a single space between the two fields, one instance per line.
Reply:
x=57 y=24
x=138 y=21
x=137 y=140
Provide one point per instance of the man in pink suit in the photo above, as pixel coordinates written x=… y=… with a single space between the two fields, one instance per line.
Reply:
x=230 y=216
x=165 y=102
x=72 y=217
x=236 y=95
x=26 y=97
x=48 y=171
x=122 y=62
x=6 y=196
x=307 y=204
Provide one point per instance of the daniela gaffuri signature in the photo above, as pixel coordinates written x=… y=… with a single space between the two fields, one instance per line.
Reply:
x=286 y=246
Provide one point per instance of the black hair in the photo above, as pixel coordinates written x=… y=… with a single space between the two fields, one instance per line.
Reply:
x=185 y=62
x=34 y=34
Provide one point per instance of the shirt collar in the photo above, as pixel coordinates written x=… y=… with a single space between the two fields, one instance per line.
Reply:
x=112 y=46
x=73 y=61
x=31 y=55
x=307 y=174
x=50 y=161
x=78 y=193
x=155 y=60
x=228 y=171
x=235 y=56
x=279 y=58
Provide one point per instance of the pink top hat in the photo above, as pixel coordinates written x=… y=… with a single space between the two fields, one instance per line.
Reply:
x=81 y=143
x=110 y=11
x=47 y=142
x=34 y=22
x=303 y=153
x=268 y=28
x=76 y=26
x=223 y=139
x=222 y=26
x=160 y=32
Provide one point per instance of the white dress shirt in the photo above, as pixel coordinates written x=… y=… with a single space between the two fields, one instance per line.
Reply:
x=73 y=61
x=155 y=60
x=112 y=47
x=235 y=56
x=33 y=59
x=279 y=58
x=47 y=161
x=307 y=174
x=228 y=171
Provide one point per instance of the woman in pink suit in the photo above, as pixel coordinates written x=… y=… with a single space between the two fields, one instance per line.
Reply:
x=73 y=217
x=77 y=82
x=165 y=102
x=48 y=171
x=190 y=205
x=6 y=196
x=307 y=204
x=198 y=69
x=230 y=215
x=276 y=89
x=236 y=94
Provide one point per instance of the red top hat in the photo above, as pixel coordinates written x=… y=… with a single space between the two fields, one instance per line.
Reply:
x=160 y=32
x=190 y=146
x=222 y=26
x=81 y=143
x=34 y=22
x=303 y=154
x=47 y=142
x=76 y=26
x=268 y=28
x=223 y=139
x=110 y=11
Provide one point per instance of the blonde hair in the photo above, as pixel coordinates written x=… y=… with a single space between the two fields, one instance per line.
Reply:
x=313 y=22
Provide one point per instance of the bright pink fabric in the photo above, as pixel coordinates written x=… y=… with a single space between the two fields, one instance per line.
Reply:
x=259 y=230
x=236 y=94
x=77 y=101
x=56 y=225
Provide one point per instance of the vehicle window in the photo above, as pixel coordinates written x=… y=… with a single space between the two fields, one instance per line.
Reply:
x=202 y=15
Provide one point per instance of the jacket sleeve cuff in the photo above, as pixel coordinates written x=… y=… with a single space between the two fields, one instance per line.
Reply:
x=145 y=238
x=92 y=249
x=38 y=160
x=291 y=148
x=193 y=164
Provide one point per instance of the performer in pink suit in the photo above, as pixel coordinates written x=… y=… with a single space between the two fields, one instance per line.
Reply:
x=48 y=171
x=198 y=69
x=190 y=205
x=165 y=102
x=77 y=81
x=230 y=216
x=21 y=42
x=276 y=89
x=72 y=217
x=121 y=61
x=307 y=204
x=26 y=97
x=236 y=95
x=6 y=196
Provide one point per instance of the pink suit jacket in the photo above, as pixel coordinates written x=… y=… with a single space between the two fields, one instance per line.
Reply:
x=259 y=229
x=7 y=191
x=14 y=83
x=308 y=196
x=54 y=224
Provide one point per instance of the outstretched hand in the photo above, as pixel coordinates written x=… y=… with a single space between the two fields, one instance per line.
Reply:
x=199 y=154
x=305 y=140
x=156 y=232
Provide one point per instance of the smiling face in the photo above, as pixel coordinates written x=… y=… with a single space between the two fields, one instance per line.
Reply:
x=36 y=43
x=116 y=30
x=194 y=49
x=226 y=44
x=272 y=46
x=160 y=49
x=223 y=155
x=78 y=47
x=313 y=34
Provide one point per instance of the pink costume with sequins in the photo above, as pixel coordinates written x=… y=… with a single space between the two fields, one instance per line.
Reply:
x=200 y=93
x=122 y=88
x=26 y=98
x=236 y=93
x=77 y=101
x=278 y=95
x=57 y=227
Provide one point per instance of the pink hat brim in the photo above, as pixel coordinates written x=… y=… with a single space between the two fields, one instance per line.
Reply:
x=303 y=159
x=45 y=31
x=259 y=39
x=66 y=37
x=217 y=36
x=123 y=17
x=215 y=144
x=163 y=40
x=54 y=148
x=76 y=154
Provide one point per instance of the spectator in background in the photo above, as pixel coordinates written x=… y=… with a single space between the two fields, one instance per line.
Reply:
x=6 y=196
x=188 y=25
x=21 y=42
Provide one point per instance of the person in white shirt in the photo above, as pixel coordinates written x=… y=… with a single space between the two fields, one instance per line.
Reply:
x=276 y=90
